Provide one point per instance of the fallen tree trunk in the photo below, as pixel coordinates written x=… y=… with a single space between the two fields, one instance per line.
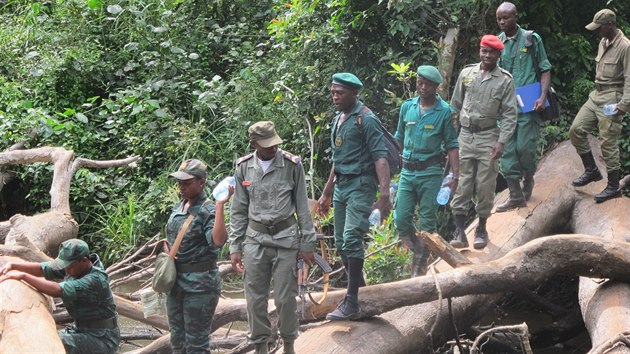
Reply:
x=554 y=205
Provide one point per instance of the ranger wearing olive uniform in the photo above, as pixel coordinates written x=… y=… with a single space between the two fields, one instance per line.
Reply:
x=359 y=169
x=612 y=85
x=424 y=127
x=519 y=156
x=271 y=227
x=85 y=293
x=485 y=97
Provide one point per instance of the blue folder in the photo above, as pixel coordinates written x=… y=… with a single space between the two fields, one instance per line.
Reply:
x=527 y=95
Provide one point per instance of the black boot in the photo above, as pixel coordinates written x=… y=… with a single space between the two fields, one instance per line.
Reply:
x=347 y=310
x=481 y=234
x=459 y=235
x=361 y=279
x=288 y=346
x=528 y=185
x=612 y=188
x=420 y=259
x=591 y=172
x=516 y=198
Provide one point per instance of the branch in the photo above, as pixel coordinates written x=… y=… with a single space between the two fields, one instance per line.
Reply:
x=81 y=162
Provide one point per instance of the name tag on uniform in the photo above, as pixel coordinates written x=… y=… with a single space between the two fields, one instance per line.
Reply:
x=429 y=126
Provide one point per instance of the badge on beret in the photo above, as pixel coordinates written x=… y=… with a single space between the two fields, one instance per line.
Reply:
x=338 y=141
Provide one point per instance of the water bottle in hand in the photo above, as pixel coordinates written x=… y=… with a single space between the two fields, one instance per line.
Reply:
x=392 y=193
x=375 y=217
x=445 y=192
x=221 y=191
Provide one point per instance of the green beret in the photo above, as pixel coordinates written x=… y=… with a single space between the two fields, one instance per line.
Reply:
x=430 y=73
x=348 y=80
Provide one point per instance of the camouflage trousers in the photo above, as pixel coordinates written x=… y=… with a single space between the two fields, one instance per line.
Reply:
x=94 y=341
x=190 y=320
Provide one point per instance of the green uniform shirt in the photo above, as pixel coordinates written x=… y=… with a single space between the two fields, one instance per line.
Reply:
x=613 y=66
x=484 y=102
x=197 y=244
x=88 y=298
x=354 y=148
x=517 y=59
x=423 y=137
x=268 y=198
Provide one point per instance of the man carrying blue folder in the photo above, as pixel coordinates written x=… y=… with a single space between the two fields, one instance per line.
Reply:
x=523 y=50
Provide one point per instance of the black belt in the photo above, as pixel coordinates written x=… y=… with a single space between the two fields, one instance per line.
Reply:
x=477 y=129
x=421 y=165
x=604 y=87
x=196 y=267
x=109 y=323
x=272 y=229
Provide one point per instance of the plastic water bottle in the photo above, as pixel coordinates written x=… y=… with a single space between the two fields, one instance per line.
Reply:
x=221 y=191
x=445 y=192
x=609 y=109
x=392 y=193
x=375 y=217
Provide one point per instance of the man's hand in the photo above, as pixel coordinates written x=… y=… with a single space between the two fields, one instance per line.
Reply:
x=308 y=257
x=497 y=151
x=384 y=205
x=14 y=274
x=539 y=105
x=323 y=205
x=453 y=183
x=230 y=192
x=237 y=262
x=6 y=268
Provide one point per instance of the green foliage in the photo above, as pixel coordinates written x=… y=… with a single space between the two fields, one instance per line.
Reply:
x=387 y=259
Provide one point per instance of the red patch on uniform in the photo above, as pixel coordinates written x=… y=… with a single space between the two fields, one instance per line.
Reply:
x=246 y=183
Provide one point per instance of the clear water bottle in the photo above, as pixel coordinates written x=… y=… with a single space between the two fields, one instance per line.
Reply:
x=445 y=192
x=392 y=193
x=609 y=109
x=221 y=191
x=375 y=217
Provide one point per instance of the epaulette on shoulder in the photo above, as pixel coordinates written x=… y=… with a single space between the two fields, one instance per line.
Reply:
x=289 y=156
x=470 y=65
x=244 y=158
x=505 y=72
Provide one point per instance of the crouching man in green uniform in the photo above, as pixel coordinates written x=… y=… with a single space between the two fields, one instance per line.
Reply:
x=484 y=95
x=612 y=85
x=85 y=293
x=424 y=126
x=359 y=168
x=271 y=229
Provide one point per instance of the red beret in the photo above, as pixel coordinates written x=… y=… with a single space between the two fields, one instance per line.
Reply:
x=492 y=41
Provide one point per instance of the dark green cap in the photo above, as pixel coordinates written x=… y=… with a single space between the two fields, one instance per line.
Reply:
x=430 y=73
x=70 y=251
x=191 y=168
x=348 y=80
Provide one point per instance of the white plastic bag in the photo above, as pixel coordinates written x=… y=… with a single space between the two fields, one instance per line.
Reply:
x=153 y=303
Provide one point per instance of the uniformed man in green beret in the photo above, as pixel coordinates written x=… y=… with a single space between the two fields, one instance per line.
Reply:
x=424 y=129
x=359 y=170
x=612 y=87
x=484 y=95
x=85 y=293
x=271 y=227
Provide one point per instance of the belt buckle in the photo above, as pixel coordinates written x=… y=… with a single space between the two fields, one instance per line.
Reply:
x=271 y=230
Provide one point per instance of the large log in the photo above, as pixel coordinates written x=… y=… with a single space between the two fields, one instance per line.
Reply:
x=554 y=206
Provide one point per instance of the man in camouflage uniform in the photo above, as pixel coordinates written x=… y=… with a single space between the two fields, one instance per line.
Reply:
x=360 y=168
x=519 y=156
x=424 y=127
x=271 y=227
x=612 y=85
x=484 y=95
x=85 y=293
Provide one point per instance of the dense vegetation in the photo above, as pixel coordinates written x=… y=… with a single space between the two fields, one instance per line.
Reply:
x=173 y=79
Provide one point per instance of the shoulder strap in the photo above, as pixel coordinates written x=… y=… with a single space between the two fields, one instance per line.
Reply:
x=182 y=232
x=530 y=42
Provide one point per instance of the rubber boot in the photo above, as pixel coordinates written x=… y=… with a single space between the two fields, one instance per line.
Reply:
x=528 y=185
x=261 y=348
x=516 y=198
x=481 y=234
x=459 y=235
x=347 y=310
x=591 y=172
x=420 y=259
x=288 y=347
x=612 y=188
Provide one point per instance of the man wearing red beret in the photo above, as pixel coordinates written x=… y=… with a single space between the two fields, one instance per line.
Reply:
x=485 y=98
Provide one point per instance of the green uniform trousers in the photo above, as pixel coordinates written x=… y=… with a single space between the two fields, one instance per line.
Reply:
x=520 y=152
x=416 y=190
x=477 y=173
x=190 y=319
x=262 y=263
x=591 y=115
x=100 y=341
x=352 y=201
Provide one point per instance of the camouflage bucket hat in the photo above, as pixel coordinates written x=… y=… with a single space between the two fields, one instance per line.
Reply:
x=191 y=168
x=70 y=251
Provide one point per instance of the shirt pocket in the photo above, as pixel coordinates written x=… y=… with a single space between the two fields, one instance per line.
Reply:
x=429 y=138
x=491 y=102
x=609 y=68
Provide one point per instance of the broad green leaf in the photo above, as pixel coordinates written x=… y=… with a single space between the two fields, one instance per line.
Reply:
x=81 y=118
x=114 y=9
x=95 y=4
